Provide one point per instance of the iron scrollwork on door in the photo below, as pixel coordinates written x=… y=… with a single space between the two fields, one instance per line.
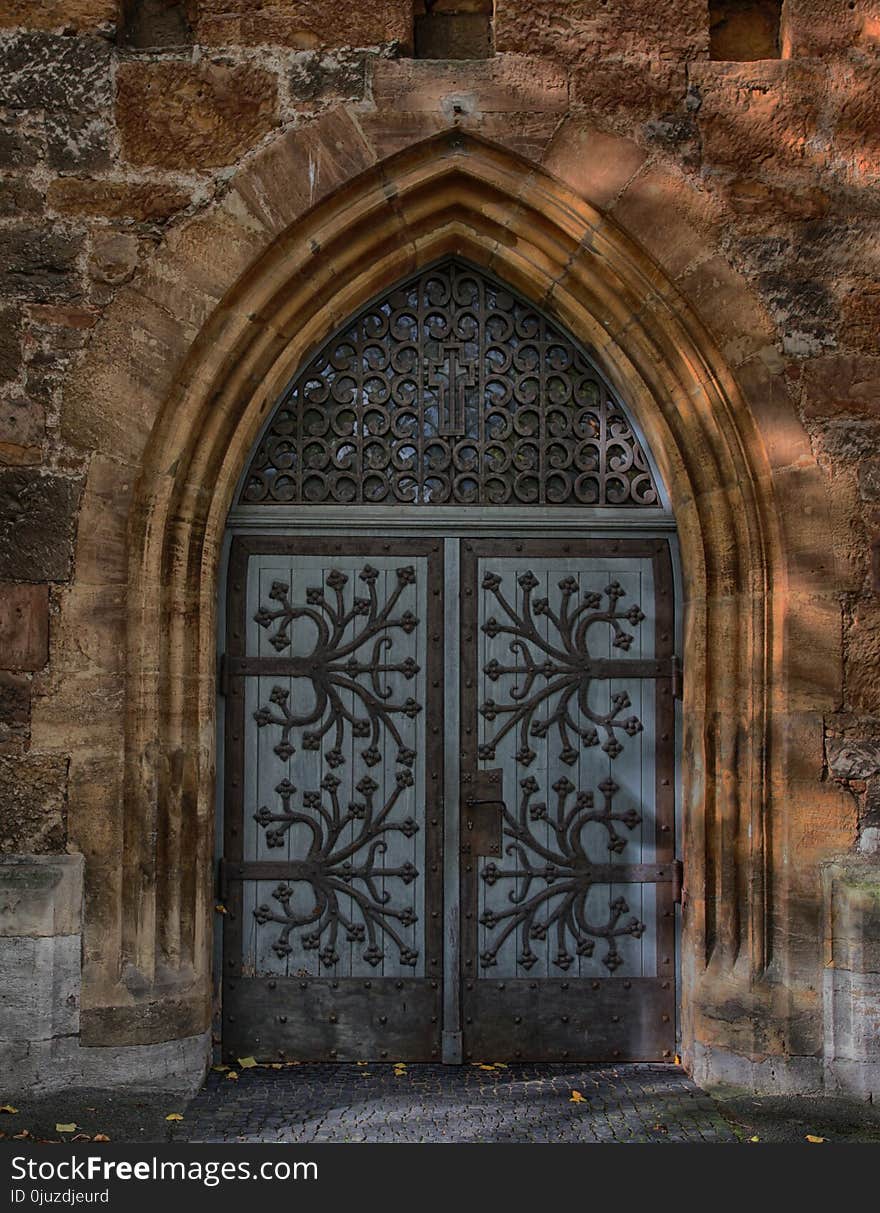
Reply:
x=333 y=666
x=342 y=863
x=563 y=660
x=451 y=389
x=546 y=695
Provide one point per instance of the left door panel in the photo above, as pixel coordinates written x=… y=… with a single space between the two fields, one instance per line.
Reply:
x=333 y=813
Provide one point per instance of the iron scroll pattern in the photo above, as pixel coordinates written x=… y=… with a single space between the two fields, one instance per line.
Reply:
x=343 y=863
x=451 y=389
x=552 y=871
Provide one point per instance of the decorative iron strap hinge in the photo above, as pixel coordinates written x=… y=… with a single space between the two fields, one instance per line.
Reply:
x=676 y=677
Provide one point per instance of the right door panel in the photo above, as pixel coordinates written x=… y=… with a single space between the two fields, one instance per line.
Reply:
x=568 y=800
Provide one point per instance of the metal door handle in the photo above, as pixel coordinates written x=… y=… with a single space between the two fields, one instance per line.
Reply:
x=470 y=802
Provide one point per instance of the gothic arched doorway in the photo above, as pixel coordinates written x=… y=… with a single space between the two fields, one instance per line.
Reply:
x=449 y=667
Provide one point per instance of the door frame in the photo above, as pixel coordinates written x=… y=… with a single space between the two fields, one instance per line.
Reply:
x=445 y=523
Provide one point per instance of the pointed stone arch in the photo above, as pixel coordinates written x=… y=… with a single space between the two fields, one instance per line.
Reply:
x=171 y=398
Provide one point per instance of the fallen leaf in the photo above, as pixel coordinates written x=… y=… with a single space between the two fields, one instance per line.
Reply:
x=71 y=1128
x=220 y=1069
x=754 y=1139
x=20 y=1136
x=100 y=1137
x=232 y=1074
x=276 y=1065
x=81 y=1137
x=483 y=1066
x=220 y=909
x=174 y=1116
x=361 y=1063
x=247 y=1063
x=815 y=1140
x=677 y=1059
x=7 y=1107
x=577 y=1097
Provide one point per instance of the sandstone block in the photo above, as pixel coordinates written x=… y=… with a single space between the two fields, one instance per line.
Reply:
x=761 y=117
x=40 y=895
x=47 y=72
x=317 y=77
x=33 y=804
x=579 y=32
x=24 y=625
x=671 y=219
x=18 y=197
x=144 y=201
x=821 y=28
x=595 y=164
x=38 y=514
x=841 y=384
x=14 y=713
x=80 y=15
x=304 y=24
x=510 y=85
x=863 y=659
x=15 y=706
x=19 y=148
x=38 y=263
x=181 y=115
x=77 y=142
x=632 y=91
x=39 y=991
x=10 y=344
x=728 y=307
x=22 y=430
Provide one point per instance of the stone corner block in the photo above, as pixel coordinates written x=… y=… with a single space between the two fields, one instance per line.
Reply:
x=40 y=895
x=851 y=976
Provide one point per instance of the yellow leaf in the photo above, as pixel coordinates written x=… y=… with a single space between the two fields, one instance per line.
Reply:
x=247 y=1063
x=100 y=1137
x=276 y=1065
x=220 y=1069
x=174 y=1116
x=754 y=1139
x=7 y=1107
x=361 y=1063
x=482 y=1066
x=232 y=1074
x=677 y=1059
x=577 y=1097
x=220 y=909
x=71 y=1128
x=815 y=1140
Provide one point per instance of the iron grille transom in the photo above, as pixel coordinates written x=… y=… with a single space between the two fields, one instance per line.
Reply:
x=450 y=389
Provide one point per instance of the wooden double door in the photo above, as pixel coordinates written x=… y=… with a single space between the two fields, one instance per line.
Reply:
x=448 y=799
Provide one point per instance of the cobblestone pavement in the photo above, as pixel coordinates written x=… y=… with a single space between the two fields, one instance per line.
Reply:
x=430 y=1103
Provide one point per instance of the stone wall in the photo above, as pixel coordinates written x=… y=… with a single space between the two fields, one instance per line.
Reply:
x=753 y=184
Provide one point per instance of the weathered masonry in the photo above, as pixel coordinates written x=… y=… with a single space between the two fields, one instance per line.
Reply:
x=439 y=574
